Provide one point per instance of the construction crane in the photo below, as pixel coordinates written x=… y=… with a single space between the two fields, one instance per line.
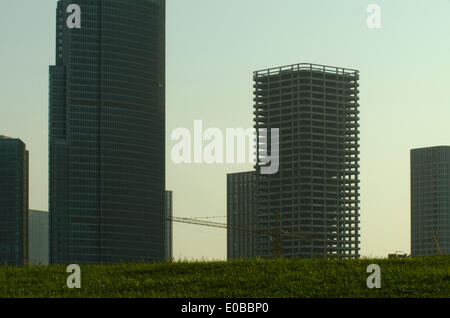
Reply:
x=436 y=241
x=276 y=233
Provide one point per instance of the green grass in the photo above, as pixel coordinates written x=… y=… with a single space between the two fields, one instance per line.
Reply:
x=411 y=277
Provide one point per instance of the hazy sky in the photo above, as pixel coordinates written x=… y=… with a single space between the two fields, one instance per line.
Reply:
x=213 y=46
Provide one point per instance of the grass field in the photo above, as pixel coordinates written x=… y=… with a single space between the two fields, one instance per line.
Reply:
x=411 y=277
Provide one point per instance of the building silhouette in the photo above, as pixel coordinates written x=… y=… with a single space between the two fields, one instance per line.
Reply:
x=14 y=185
x=107 y=134
x=169 y=226
x=38 y=238
x=316 y=189
x=240 y=214
x=430 y=200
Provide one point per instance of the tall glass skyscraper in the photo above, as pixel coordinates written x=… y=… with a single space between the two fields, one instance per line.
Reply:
x=107 y=133
x=13 y=202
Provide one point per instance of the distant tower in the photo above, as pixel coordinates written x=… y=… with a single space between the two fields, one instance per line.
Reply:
x=38 y=238
x=240 y=214
x=13 y=202
x=430 y=200
x=107 y=134
x=317 y=186
x=169 y=226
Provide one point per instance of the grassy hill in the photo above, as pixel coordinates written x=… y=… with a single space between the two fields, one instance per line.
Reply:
x=412 y=277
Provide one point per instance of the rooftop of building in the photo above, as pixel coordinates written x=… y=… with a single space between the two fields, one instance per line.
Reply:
x=241 y=173
x=307 y=67
x=40 y=211
x=6 y=140
x=431 y=148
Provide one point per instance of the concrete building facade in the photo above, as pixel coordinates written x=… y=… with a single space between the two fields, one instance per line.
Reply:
x=430 y=200
x=316 y=189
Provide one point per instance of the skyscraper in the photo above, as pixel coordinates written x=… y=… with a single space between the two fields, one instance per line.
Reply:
x=430 y=200
x=240 y=214
x=13 y=202
x=316 y=189
x=38 y=242
x=107 y=133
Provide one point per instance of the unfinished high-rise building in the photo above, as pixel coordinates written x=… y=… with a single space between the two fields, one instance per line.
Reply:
x=316 y=189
